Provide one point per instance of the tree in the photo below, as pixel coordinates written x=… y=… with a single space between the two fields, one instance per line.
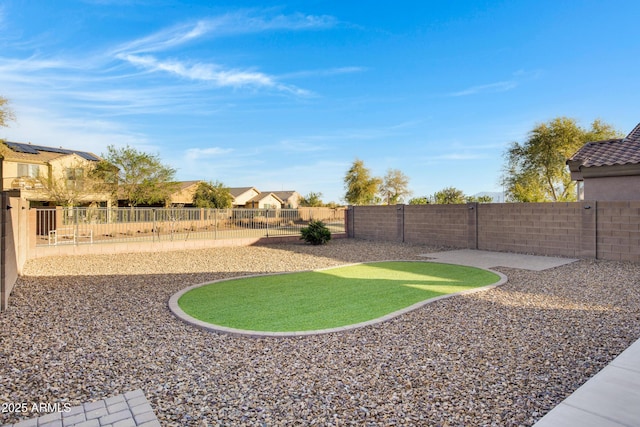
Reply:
x=449 y=196
x=394 y=187
x=141 y=178
x=6 y=113
x=361 y=187
x=311 y=200
x=424 y=200
x=536 y=170
x=212 y=195
x=479 y=199
x=76 y=184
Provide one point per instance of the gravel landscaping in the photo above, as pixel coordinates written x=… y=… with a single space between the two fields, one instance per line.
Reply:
x=85 y=328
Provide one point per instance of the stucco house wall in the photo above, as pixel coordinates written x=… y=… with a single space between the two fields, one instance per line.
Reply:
x=612 y=188
x=290 y=199
x=608 y=170
x=242 y=195
x=263 y=201
x=184 y=196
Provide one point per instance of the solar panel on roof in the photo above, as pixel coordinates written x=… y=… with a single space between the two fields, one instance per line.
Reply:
x=21 y=148
x=33 y=149
x=87 y=156
x=52 y=149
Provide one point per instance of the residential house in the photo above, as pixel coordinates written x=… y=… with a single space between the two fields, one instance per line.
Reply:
x=49 y=175
x=290 y=199
x=608 y=170
x=264 y=201
x=183 y=196
x=242 y=194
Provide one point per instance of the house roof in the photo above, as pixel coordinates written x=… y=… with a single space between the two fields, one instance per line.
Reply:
x=236 y=191
x=283 y=195
x=263 y=196
x=611 y=152
x=22 y=151
x=183 y=185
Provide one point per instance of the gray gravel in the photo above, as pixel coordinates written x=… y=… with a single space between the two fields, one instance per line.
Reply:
x=85 y=328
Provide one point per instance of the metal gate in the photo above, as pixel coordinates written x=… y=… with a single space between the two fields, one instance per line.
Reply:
x=45 y=221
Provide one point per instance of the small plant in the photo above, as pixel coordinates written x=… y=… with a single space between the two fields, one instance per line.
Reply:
x=316 y=233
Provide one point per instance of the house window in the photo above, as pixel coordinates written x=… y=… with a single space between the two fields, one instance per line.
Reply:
x=580 y=190
x=28 y=170
x=75 y=178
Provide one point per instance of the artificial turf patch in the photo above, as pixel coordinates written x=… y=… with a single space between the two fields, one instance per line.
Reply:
x=325 y=299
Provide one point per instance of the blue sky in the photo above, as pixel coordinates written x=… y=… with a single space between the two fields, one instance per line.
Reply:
x=285 y=95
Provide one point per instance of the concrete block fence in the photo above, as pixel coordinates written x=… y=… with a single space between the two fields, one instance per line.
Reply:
x=588 y=229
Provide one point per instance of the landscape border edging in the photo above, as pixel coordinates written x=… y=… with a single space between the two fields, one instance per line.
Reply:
x=180 y=314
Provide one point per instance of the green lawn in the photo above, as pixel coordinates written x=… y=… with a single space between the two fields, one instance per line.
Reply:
x=329 y=298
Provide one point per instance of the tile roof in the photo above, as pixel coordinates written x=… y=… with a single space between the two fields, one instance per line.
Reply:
x=237 y=191
x=183 y=185
x=611 y=152
x=284 y=195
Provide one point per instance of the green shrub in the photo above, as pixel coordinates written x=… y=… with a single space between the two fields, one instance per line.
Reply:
x=316 y=233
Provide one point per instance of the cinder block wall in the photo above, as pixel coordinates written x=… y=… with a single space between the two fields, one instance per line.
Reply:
x=618 y=231
x=588 y=229
x=375 y=222
x=540 y=228
x=440 y=225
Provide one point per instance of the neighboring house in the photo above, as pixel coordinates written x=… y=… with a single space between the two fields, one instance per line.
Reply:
x=290 y=199
x=184 y=194
x=608 y=170
x=264 y=201
x=49 y=175
x=242 y=194
x=251 y=197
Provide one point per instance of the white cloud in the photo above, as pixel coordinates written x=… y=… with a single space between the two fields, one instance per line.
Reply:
x=207 y=72
x=204 y=153
x=22 y=66
x=241 y=22
x=325 y=73
x=212 y=73
x=296 y=21
x=518 y=77
x=137 y=52
x=165 y=39
x=251 y=21
x=488 y=88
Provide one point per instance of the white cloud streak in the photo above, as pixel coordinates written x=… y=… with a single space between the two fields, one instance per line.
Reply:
x=206 y=72
x=138 y=52
x=242 y=22
x=213 y=73
x=22 y=66
x=206 y=153
x=164 y=39
x=324 y=73
x=488 y=88
x=517 y=78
